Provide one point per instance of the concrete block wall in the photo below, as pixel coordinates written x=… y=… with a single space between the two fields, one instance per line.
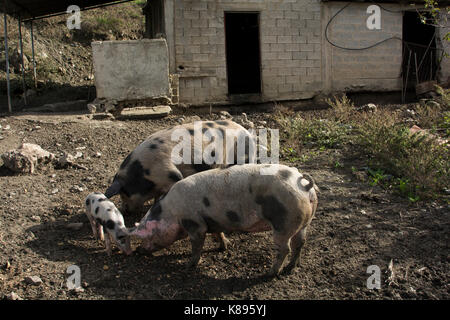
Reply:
x=290 y=42
x=132 y=69
x=375 y=69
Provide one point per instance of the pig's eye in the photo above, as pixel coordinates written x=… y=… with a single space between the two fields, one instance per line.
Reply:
x=120 y=237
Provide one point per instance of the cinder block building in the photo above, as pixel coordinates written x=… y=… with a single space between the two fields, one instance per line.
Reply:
x=224 y=51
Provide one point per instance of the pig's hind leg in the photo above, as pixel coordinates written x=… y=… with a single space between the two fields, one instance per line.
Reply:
x=297 y=242
x=282 y=249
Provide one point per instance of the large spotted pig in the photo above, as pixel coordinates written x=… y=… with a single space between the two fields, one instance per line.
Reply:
x=238 y=198
x=103 y=215
x=149 y=170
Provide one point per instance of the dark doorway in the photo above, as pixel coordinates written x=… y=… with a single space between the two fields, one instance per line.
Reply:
x=242 y=51
x=420 y=40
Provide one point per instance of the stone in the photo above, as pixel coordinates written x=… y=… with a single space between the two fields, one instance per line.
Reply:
x=92 y=108
x=33 y=280
x=27 y=158
x=13 y=296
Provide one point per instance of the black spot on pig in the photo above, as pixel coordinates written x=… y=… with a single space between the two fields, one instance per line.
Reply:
x=222 y=123
x=212 y=225
x=88 y=202
x=110 y=224
x=191 y=132
x=147 y=172
x=99 y=221
x=273 y=211
x=189 y=225
x=201 y=167
x=285 y=174
x=102 y=199
x=126 y=161
x=210 y=124
x=175 y=176
x=135 y=181
x=96 y=210
x=153 y=146
x=250 y=189
x=206 y=202
x=232 y=216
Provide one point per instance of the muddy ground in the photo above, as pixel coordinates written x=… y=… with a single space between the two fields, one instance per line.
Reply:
x=356 y=226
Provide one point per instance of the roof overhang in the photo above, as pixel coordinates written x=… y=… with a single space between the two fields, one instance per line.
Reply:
x=37 y=9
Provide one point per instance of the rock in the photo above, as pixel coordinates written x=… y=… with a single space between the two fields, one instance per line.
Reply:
x=36 y=218
x=76 y=189
x=97 y=154
x=7 y=127
x=13 y=296
x=225 y=115
x=33 y=280
x=27 y=158
x=54 y=191
x=91 y=108
x=75 y=226
x=66 y=160
x=370 y=107
x=78 y=155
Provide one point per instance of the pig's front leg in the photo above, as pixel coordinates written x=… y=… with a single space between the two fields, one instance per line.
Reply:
x=93 y=226
x=100 y=232
x=108 y=244
x=197 y=233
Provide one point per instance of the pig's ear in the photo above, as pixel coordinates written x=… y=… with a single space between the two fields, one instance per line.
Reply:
x=113 y=189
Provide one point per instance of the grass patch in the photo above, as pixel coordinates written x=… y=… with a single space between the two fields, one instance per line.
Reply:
x=416 y=166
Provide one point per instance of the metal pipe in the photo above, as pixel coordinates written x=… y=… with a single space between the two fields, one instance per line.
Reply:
x=33 y=55
x=8 y=83
x=24 y=86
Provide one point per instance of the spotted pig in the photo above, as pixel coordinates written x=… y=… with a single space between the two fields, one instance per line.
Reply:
x=103 y=214
x=149 y=170
x=238 y=198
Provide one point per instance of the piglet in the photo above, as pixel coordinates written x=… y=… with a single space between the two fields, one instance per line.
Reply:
x=239 y=198
x=103 y=214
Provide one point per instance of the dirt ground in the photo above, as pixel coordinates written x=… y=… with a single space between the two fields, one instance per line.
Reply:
x=356 y=226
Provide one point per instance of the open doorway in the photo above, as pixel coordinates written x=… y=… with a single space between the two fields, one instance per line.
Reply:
x=419 y=40
x=243 y=52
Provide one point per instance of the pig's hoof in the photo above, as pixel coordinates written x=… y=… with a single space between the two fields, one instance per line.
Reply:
x=193 y=264
x=224 y=245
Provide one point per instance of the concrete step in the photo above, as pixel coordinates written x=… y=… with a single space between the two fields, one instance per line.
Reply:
x=141 y=113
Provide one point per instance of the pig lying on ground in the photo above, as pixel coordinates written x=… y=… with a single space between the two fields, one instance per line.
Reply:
x=149 y=170
x=238 y=198
x=102 y=213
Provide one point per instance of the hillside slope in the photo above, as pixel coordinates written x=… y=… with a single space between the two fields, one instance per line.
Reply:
x=64 y=57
